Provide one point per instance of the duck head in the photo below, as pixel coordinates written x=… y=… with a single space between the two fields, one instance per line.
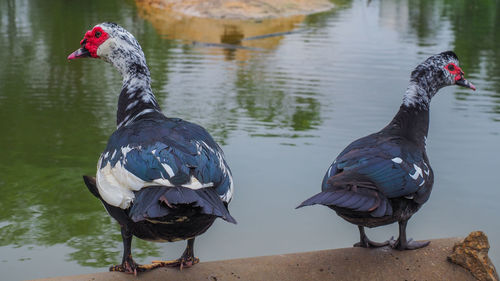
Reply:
x=443 y=70
x=434 y=73
x=112 y=43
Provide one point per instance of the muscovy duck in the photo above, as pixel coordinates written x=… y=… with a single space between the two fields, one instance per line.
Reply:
x=162 y=179
x=386 y=177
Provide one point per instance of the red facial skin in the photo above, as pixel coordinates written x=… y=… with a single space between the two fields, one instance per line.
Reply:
x=92 y=40
x=455 y=70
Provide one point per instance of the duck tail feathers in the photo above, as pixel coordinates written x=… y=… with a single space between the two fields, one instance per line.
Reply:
x=160 y=201
x=91 y=185
x=358 y=201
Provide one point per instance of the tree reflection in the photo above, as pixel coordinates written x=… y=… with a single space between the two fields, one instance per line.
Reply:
x=54 y=124
x=266 y=101
x=474 y=25
x=477 y=40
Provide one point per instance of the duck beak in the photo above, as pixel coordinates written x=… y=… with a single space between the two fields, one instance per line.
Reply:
x=464 y=83
x=80 y=53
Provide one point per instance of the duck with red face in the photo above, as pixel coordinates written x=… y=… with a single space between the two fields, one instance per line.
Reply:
x=163 y=179
x=386 y=177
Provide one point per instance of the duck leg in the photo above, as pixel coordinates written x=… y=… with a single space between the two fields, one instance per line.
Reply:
x=131 y=267
x=186 y=260
x=364 y=242
x=403 y=244
x=128 y=264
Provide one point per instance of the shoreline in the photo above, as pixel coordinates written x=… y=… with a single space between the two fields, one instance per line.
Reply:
x=429 y=263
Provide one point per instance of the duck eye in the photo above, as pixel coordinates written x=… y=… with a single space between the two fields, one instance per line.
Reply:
x=451 y=67
x=97 y=34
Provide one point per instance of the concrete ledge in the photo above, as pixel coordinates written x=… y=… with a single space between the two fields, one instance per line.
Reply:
x=429 y=263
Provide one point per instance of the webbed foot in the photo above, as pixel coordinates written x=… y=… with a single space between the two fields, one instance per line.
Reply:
x=367 y=243
x=409 y=245
x=186 y=260
x=181 y=262
x=128 y=266
x=403 y=244
x=364 y=242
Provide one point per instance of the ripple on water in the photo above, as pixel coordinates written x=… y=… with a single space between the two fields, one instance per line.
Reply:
x=282 y=107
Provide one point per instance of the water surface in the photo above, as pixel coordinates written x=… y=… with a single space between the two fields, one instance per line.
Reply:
x=282 y=107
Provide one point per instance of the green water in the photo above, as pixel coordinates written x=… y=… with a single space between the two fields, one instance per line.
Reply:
x=282 y=111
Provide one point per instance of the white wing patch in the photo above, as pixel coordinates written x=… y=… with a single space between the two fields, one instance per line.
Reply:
x=167 y=168
x=229 y=194
x=397 y=160
x=226 y=197
x=126 y=150
x=163 y=182
x=427 y=170
x=194 y=183
x=329 y=173
x=116 y=184
x=418 y=172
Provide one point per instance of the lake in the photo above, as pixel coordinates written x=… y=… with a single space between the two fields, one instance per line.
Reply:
x=281 y=106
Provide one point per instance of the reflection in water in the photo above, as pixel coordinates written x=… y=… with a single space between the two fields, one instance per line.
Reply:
x=232 y=35
x=268 y=103
x=475 y=37
x=260 y=90
x=175 y=25
x=477 y=40
x=307 y=89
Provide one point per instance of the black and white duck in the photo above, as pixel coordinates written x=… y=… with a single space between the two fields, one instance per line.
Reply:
x=163 y=179
x=386 y=177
